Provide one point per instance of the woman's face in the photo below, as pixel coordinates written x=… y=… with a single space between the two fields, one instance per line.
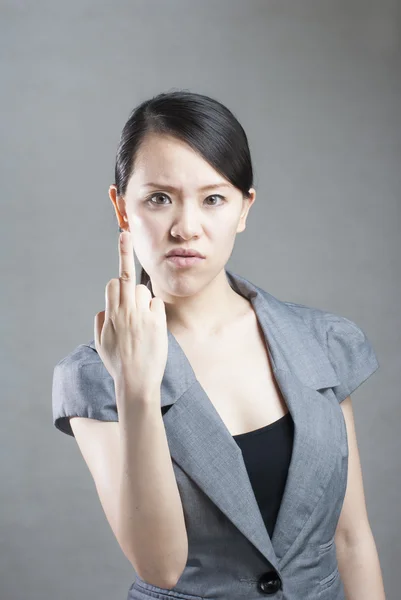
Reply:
x=167 y=208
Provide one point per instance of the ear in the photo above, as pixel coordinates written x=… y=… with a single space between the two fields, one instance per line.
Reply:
x=246 y=205
x=119 y=207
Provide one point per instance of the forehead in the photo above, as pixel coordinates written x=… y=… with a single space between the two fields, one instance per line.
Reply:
x=165 y=159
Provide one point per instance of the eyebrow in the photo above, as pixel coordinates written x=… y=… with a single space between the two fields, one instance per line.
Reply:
x=172 y=188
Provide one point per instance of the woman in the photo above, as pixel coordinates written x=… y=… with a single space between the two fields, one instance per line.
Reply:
x=215 y=419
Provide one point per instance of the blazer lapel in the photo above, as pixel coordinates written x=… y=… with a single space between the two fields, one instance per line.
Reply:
x=202 y=446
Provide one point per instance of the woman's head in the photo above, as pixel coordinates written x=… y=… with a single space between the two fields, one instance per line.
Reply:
x=182 y=141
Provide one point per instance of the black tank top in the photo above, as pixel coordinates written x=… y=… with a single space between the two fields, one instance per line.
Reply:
x=267 y=454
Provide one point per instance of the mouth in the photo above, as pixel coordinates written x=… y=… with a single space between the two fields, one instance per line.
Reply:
x=184 y=252
x=184 y=261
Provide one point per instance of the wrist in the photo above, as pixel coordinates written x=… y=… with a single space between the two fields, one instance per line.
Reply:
x=128 y=394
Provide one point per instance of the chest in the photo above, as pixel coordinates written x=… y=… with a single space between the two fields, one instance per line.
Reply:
x=236 y=374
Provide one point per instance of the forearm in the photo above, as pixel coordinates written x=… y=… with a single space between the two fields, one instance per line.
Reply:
x=151 y=518
x=359 y=568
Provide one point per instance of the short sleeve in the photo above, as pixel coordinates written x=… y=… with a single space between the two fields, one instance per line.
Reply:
x=351 y=354
x=82 y=387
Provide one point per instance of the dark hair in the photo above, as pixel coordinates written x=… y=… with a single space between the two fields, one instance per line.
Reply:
x=205 y=124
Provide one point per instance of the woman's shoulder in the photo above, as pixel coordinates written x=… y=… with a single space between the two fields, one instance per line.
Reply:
x=82 y=387
x=81 y=355
x=325 y=322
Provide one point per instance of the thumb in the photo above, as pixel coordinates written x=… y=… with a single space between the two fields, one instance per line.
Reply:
x=98 y=326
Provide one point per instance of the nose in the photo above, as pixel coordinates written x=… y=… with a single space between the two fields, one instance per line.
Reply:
x=187 y=223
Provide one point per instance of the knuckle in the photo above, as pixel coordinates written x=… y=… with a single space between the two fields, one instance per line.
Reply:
x=111 y=283
x=125 y=275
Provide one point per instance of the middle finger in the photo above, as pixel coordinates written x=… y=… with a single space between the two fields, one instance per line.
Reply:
x=127 y=269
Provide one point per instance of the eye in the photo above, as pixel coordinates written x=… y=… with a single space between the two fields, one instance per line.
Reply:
x=216 y=196
x=150 y=201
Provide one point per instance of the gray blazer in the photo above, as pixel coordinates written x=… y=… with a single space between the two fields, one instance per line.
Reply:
x=318 y=359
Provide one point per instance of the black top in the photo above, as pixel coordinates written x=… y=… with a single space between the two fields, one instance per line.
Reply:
x=267 y=454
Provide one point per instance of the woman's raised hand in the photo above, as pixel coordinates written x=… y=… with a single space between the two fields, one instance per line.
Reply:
x=131 y=334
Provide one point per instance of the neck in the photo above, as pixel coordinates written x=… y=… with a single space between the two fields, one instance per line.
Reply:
x=209 y=312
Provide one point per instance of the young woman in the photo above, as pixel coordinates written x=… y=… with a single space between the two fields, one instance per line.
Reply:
x=215 y=418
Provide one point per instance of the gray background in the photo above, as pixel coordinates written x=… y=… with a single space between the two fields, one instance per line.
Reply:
x=316 y=85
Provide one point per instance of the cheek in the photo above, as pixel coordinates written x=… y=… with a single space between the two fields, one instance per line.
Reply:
x=147 y=229
x=224 y=230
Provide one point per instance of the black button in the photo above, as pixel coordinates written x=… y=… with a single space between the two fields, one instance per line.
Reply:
x=269 y=583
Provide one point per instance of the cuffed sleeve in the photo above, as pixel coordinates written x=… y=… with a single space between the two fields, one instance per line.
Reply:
x=351 y=354
x=82 y=387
